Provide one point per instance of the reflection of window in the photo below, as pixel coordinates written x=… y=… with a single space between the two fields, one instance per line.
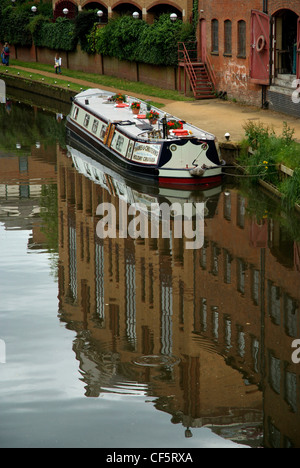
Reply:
x=255 y=286
x=86 y=120
x=215 y=36
x=227 y=37
x=241 y=212
x=166 y=314
x=99 y=279
x=215 y=260
x=203 y=314
x=203 y=255
x=290 y=316
x=274 y=302
x=227 y=331
x=227 y=206
x=215 y=322
x=274 y=435
x=241 y=270
x=274 y=372
x=242 y=39
x=130 y=284
x=241 y=343
x=227 y=267
x=290 y=390
x=254 y=353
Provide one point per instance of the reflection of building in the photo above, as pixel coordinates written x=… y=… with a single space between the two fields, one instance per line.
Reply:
x=22 y=177
x=211 y=318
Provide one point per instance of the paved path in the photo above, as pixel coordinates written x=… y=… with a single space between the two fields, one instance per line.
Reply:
x=215 y=116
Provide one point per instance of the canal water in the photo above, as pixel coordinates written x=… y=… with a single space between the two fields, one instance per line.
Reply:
x=120 y=342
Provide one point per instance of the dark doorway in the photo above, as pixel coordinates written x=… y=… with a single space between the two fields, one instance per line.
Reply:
x=286 y=42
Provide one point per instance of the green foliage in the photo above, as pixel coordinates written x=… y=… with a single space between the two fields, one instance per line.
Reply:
x=119 y=38
x=84 y=23
x=128 y=39
x=15 y=21
x=290 y=188
x=57 y=36
x=14 y=25
x=266 y=153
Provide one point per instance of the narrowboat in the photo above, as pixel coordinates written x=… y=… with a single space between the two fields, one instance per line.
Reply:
x=142 y=141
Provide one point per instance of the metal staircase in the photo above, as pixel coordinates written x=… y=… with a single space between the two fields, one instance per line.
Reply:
x=200 y=74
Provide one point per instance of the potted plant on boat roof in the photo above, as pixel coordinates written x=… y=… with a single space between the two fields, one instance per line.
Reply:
x=118 y=97
x=174 y=124
x=135 y=107
x=152 y=116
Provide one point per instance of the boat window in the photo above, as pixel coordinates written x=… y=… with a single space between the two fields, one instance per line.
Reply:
x=120 y=142
x=130 y=150
x=86 y=120
x=103 y=131
x=95 y=126
x=75 y=113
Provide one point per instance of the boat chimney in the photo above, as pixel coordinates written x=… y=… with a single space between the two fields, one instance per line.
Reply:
x=87 y=102
x=164 y=123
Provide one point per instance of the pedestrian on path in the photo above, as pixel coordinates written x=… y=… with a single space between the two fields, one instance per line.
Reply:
x=57 y=64
x=5 y=54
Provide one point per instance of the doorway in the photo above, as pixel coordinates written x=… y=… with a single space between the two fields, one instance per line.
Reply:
x=286 y=24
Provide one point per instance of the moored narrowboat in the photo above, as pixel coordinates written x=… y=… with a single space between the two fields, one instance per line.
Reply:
x=166 y=150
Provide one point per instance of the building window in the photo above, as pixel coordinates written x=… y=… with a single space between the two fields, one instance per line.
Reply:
x=215 y=36
x=227 y=37
x=242 y=39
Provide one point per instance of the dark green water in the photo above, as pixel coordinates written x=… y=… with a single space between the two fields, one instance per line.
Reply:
x=139 y=343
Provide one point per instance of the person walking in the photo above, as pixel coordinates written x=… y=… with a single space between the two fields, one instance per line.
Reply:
x=57 y=64
x=5 y=54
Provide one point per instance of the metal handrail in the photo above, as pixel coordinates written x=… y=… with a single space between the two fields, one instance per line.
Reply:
x=188 y=65
x=210 y=71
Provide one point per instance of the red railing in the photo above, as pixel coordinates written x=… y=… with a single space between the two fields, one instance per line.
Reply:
x=184 y=57
x=187 y=55
x=210 y=71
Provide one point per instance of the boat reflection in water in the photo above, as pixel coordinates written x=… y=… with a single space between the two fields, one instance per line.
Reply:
x=206 y=332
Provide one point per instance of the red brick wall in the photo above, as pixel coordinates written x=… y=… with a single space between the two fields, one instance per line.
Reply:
x=231 y=71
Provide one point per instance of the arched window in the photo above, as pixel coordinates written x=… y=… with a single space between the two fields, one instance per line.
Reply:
x=215 y=36
x=227 y=37
x=241 y=46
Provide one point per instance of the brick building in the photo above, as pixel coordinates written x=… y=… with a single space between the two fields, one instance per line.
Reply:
x=253 y=47
x=147 y=9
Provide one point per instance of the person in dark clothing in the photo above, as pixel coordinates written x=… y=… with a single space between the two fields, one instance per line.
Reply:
x=5 y=54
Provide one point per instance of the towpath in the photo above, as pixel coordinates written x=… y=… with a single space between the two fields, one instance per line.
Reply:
x=214 y=115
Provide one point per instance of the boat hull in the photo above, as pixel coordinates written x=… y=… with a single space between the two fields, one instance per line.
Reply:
x=164 y=176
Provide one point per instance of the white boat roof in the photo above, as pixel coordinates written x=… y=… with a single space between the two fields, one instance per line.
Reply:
x=98 y=101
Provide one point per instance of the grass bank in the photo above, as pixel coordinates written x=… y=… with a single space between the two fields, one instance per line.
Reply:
x=263 y=152
x=74 y=80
